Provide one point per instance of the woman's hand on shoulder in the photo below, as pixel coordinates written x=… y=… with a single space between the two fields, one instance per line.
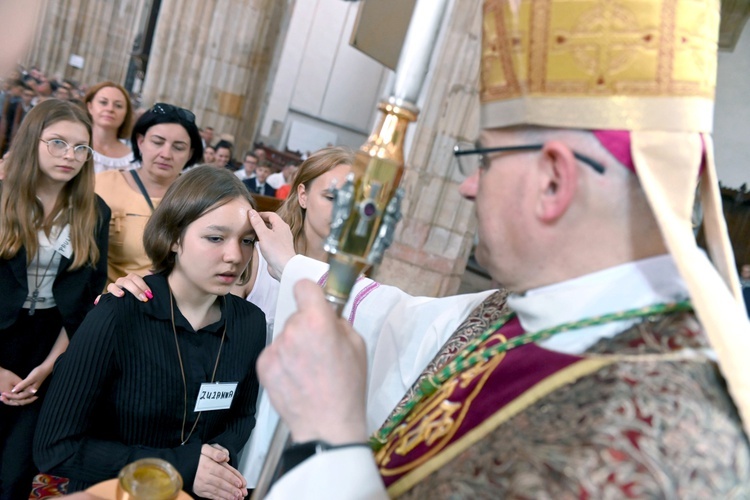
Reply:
x=132 y=283
x=275 y=240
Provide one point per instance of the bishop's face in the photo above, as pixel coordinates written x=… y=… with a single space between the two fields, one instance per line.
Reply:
x=499 y=190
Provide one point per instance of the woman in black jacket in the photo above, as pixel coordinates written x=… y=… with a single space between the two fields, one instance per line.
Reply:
x=53 y=263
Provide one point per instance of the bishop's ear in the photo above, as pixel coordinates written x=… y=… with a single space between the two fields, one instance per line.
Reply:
x=558 y=173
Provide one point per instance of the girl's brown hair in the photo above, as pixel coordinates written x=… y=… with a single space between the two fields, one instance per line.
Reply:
x=22 y=214
x=193 y=194
x=317 y=164
x=123 y=132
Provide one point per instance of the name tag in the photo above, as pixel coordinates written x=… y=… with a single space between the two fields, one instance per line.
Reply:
x=62 y=245
x=216 y=396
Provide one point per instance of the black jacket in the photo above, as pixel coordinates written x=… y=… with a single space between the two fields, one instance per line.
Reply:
x=74 y=291
x=252 y=185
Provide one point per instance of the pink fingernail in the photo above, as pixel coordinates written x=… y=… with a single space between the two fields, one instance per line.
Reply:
x=149 y=294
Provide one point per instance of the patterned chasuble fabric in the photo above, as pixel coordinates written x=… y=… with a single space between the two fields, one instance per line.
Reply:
x=632 y=418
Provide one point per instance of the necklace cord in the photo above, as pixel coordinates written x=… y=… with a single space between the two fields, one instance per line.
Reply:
x=38 y=282
x=182 y=371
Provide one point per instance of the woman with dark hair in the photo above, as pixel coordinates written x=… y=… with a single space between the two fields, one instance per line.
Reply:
x=111 y=113
x=53 y=262
x=165 y=140
x=142 y=380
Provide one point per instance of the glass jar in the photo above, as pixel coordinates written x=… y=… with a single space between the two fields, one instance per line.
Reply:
x=149 y=478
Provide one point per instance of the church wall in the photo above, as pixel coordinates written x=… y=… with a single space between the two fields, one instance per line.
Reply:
x=102 y=33
x=321 y=81
x=216 y=57
x=732 y=114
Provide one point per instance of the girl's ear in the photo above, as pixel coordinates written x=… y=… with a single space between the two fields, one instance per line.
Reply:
x=302 y=196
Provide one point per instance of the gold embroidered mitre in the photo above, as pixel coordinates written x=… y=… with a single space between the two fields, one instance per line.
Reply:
x=647 y=67
x=600 y=64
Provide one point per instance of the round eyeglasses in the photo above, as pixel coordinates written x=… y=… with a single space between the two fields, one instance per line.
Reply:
x=58 y=148
x=470 y=158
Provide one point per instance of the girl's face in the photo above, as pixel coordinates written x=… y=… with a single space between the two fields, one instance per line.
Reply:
x=108 y=108
x=317 y=200
x=165 y=149
x=61 y=166
x=214 y=249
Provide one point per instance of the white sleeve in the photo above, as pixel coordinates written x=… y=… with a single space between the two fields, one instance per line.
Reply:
x=254 y=452
x=344 y=474
x=402 y=334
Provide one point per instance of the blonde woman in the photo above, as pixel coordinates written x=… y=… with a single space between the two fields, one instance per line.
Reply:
x=53 y=262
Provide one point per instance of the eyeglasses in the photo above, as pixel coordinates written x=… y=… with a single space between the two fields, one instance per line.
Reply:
x=163 y=108
x=58 y=148
x=470 y=158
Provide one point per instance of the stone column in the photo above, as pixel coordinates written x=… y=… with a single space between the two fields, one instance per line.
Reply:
x=215 y=57
x=434 y=239
x=102 y=32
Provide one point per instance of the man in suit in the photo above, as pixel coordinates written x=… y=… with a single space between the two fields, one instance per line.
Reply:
x=258 y=183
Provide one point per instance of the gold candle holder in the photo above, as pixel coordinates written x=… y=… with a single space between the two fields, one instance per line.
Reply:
x=376 y=174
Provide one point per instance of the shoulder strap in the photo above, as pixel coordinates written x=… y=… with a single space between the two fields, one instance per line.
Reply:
x=138 y=181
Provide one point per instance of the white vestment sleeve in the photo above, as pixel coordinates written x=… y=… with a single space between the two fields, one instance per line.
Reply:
x=402 y=334
x=346 y=474
x=254 y=452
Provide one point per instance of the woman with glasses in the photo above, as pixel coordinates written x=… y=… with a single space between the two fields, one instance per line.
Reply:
x=111 y=113
x=53 y=262
x=165 y=140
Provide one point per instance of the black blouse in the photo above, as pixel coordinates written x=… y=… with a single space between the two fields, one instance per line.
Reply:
x=117 y=393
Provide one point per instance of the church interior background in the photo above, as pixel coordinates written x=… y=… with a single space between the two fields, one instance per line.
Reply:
x=283 y=72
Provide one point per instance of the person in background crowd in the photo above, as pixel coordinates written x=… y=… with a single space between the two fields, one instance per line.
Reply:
x=63 y=93
x=248 y=166
x=129 y=383
x=44 y=90
x=207 y=137
x=111 y=113
x=14 y=111
x=223 y=155
x=53 y=262
x=260 y=154
x=165 y=141
x=209 y=155
x=258 y=184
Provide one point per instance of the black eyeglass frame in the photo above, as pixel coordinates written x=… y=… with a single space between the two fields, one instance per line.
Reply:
x=163 y=108
x=458 y=152
x=80 y=147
